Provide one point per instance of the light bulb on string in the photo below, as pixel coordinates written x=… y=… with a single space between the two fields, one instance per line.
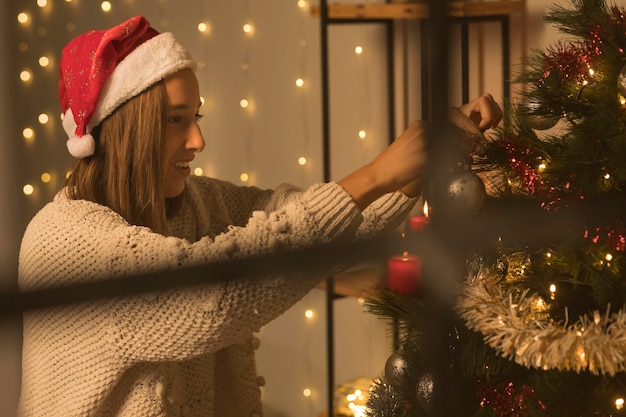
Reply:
x=105 y=6
x=23 y=18
x=204 y=27
x=46 y=177
x=26 y=76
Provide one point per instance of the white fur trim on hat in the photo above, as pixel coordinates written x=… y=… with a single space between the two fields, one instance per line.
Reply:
x=150 y=62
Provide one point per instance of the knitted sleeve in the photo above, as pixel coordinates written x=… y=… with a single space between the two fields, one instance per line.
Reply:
x=74 y=241
x=386 y=213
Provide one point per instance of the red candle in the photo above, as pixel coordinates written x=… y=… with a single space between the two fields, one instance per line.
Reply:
x=404 y=272
x=418 y=223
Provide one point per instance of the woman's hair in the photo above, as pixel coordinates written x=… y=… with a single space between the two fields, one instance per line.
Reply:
x=126 y=171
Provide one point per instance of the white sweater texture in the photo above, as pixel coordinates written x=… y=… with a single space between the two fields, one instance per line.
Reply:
x=184 y=352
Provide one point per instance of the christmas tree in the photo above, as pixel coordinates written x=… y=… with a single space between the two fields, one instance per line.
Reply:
x=539 y=328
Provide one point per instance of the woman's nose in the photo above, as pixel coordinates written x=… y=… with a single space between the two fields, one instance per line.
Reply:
x=195 y=140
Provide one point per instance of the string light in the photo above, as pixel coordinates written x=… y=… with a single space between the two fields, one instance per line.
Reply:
x=42 y=3
x=28 y=189
x=309 y=314
x=244 y=177
x=44 y=61
x=198 y=171
x=619 y=403
x=307 y=392
x=26 y=76
x=204 y=27
x=46 y=177
x=552 y=291
x=302 y=160
x=362 y=134
x=43 y=118
x=248 y=28
x=28 y=134
x=105 y=6
x=23 y=18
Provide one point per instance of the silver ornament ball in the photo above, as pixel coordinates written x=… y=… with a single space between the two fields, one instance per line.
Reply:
x=395 y=369
x=466 y=193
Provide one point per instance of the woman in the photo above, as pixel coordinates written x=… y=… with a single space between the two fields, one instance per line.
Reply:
x=131 y=103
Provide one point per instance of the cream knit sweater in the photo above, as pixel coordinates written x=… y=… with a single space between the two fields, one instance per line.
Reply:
x=187 y=352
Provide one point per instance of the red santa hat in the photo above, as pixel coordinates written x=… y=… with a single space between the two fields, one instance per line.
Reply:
x=101 y=69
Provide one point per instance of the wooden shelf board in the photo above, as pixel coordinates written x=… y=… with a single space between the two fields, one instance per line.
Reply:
x=357 y=282
x=469 y=8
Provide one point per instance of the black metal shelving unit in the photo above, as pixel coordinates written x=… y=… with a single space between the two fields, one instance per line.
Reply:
x=430 y=14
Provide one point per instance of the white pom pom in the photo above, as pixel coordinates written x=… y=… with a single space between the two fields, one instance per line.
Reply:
x=81 y=147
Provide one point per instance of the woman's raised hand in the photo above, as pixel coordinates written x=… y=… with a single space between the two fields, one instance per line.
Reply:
x=401 y=166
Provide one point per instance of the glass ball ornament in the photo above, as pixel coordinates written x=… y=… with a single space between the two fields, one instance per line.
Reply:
x=536 y=121
x=396 y=368
x=424 y=390
x=465 y=193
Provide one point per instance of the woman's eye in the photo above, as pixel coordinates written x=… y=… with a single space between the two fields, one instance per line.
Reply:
x=199 y=116
x=174 y=119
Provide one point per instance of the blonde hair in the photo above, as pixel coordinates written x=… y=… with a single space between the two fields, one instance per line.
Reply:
x=126 y=171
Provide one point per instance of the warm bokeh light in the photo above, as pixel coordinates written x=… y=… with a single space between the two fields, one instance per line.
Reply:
x=28 y=189
x=25 y=75
x=302 y=160
x=204 y=27
x=46 y=177
x=105 y=6
x=43 y=118
x=244 y=177
x=28 y=133
x=23 y=18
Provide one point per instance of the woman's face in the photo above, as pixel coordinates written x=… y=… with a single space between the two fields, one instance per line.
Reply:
x=183 y=137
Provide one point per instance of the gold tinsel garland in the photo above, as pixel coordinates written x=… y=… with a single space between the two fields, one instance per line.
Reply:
x=516 y=324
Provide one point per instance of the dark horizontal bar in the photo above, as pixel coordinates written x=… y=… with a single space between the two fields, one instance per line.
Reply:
x=520 y=222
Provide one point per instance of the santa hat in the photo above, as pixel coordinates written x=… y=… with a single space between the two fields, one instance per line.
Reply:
x=102 y=69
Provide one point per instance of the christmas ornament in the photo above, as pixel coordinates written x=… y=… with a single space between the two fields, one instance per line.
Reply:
x=395 y=369
x=424 y=390
x=536 y=121
x=466 y=192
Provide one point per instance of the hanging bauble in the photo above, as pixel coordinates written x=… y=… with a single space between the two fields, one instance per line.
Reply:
x=537 y=121
x=424 y=390
x=396 y=368
x=621 y=86
x=466 y=193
